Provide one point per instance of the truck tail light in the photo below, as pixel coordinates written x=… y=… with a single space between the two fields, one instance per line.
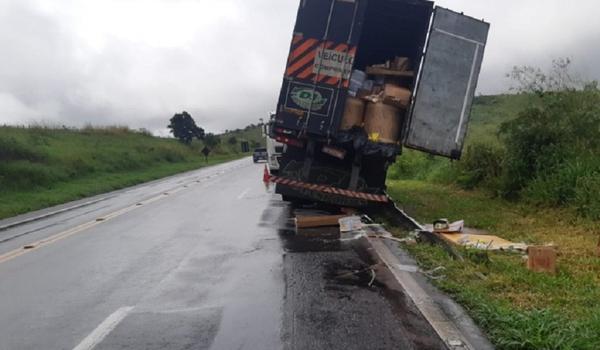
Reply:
x=284 y=131
x=289 y=141
x=334 y=152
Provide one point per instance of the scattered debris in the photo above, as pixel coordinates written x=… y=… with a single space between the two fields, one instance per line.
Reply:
x=29 y=246
x=484 y=242
x=318 y=221
x=407 y=268
x=440 y=224
x=481 y=275
x=431 y=274
x=350 y=224
x=598 y=248
x=443 y=226
x=542 y=258
x=434 y=273
x=457 y=234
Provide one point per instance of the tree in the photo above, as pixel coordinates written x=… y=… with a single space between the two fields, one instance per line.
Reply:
x=211 y=140
x=184 y=128
x=232 y=140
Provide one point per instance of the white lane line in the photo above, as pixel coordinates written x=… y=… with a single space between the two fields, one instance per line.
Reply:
x=104 y=329
x=241 y=196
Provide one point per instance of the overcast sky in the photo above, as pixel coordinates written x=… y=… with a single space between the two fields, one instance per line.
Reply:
x=137 y=62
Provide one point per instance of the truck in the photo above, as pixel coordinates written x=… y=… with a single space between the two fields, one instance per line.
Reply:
x=365 y=79
x=274 y=148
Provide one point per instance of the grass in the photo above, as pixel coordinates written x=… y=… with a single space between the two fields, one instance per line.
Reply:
x=489 y=112
x=518 y=309
x=41 y=166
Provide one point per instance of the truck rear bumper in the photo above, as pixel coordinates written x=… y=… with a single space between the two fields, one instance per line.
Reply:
x=326 y=193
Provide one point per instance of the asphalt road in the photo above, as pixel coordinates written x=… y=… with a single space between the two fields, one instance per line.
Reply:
x=202 y=260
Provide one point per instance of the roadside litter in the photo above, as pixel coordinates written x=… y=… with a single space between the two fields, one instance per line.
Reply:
x=456 y=233
x=484 y=242
x=433 y=274
x=443 y=226
x=542 y=259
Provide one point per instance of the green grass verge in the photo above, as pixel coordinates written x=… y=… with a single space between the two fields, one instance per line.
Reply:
x=517 y=308
x=15 y=203
x=41 y=167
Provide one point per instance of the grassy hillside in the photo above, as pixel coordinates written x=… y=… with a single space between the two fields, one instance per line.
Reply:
x=489 y=112
x=252 y=134
x=40 y=167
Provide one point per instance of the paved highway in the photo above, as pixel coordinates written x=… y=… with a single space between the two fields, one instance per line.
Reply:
x=201 y=260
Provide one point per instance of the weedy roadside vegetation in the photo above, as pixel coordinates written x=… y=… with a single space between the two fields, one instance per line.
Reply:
x=530 y=173
x=540 y=146
x=43 y=165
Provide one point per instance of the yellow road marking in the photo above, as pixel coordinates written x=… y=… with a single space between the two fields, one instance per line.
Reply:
x=77 y=229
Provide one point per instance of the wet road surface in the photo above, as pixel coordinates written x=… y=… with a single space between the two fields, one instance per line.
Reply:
x=202 y=260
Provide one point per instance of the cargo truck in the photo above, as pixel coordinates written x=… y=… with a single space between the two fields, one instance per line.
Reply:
x=274 y=148
x=365 y=78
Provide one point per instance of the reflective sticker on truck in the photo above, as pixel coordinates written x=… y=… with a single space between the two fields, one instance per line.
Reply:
x=333 y=63
x=324 y=62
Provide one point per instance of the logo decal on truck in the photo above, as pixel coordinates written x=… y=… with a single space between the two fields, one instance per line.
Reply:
x=306 y=98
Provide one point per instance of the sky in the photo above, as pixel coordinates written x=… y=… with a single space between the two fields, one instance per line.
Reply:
x=138 y=62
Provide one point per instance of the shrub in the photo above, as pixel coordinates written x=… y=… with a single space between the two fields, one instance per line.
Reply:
x=548 y=151
x=24 y=174
x=13 y=149
x=482 y=164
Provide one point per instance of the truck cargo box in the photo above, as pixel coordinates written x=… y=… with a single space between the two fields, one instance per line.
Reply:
x=332 y=38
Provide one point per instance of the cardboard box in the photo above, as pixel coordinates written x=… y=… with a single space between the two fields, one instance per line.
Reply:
x=396 y=95
x=382 y=122
x=401 y=63
x=541 y=259
x=353 y=114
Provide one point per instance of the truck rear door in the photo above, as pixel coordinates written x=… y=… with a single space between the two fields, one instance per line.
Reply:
x=320 y=61
x=446 y=85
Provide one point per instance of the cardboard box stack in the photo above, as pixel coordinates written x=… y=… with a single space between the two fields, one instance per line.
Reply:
x=378 y=100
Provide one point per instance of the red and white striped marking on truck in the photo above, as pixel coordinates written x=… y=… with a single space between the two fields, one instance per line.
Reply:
x=320 y=61
x=329 y=189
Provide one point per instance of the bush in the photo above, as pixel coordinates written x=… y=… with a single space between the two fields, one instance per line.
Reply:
x=412 y=165
x=482 y=164
x=548 y=151
x=586 y=198
x=13 y=149
x=21 y=175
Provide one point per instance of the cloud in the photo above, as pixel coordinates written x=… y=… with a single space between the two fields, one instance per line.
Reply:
x=137 y=62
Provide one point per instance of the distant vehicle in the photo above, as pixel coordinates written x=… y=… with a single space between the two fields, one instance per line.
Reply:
x=365 y=79
x=274 y=149
x=260 y=154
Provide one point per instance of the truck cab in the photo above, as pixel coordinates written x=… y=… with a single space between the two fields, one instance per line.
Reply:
x=274 y=149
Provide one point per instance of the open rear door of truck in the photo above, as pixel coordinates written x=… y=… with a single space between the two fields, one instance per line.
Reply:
x=446 y=86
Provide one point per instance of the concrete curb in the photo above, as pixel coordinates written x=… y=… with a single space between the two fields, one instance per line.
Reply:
x=448 y=319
